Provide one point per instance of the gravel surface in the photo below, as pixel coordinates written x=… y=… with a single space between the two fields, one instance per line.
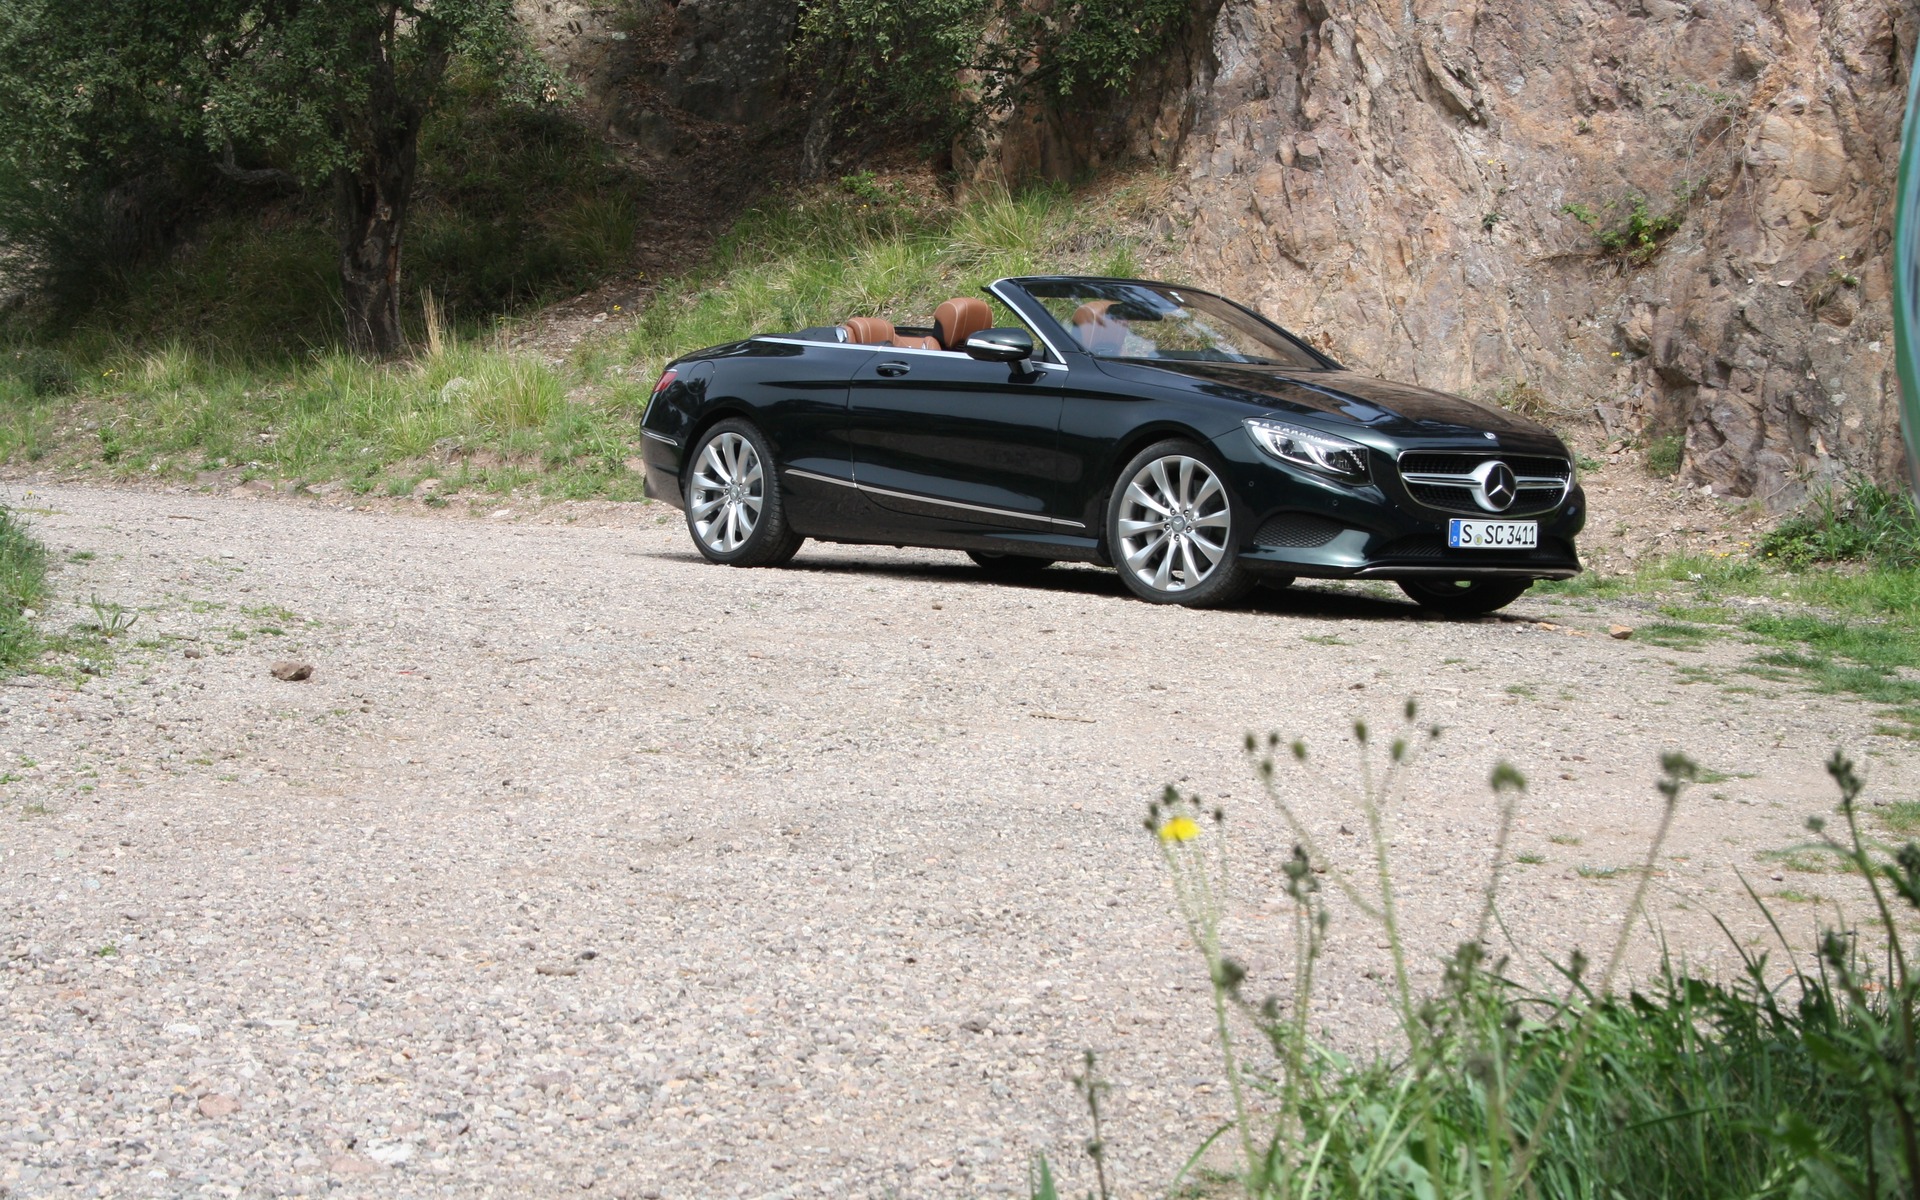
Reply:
x=580 y=864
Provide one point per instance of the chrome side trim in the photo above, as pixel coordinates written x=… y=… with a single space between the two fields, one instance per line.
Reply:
x=918 y=499
x=821 y=478
x=660 y=437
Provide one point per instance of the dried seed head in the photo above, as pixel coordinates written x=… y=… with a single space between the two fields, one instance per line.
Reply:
x=1507 y=778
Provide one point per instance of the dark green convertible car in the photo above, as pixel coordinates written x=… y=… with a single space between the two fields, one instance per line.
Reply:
x=1181 y=438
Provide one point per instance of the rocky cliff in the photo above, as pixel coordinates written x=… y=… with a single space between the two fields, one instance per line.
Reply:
x=1671 y=215
x=1396 y=179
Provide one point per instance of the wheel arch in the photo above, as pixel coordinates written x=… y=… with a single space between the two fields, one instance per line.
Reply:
x=716 y=412
x=1125 y=449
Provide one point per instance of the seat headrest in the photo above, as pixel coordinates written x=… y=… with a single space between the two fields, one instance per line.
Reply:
x=869 y=331
x=959 y=319
x=1097 y=332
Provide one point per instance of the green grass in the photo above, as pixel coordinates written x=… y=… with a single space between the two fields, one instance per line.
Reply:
x=1862 y=522
x=1787 y=1079
x=1847 y=630
x=174 y=381
x=23 y=584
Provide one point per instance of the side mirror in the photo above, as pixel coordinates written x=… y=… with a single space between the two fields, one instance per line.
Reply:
x=1000 y=345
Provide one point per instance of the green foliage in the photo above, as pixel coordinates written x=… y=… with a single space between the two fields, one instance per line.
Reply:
x=103 y=107
x=1798 y=1083
x=1863 y=522
x=23 y=584
x=1629 y=228
x=1665 y=454
x=946 y=66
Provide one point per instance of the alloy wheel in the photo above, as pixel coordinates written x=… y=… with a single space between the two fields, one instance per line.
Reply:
x=727 y=491
x=1175 y=524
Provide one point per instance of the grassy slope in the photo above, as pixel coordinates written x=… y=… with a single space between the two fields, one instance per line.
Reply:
x=168 y=402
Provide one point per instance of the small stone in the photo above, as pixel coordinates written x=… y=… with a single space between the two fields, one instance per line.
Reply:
x=1619 y=633
x=548 y=1081
x=392 y=1154
x=352 y=1164
x=213 y=1104
x=289 y=671
x=193 y=652
x=974 y=1024
x=557 y=969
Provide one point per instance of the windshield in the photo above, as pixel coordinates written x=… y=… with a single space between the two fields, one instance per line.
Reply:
x=1150 y=321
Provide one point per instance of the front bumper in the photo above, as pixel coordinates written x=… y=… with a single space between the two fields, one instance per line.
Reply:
x=1310 y=527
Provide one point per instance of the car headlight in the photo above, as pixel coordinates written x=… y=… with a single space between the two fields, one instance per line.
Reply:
x=1318 y=452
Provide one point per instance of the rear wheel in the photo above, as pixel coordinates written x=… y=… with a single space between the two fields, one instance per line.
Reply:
x=733 y=504
x=1171 y=531
x=1464 y=597
x=1008 y=566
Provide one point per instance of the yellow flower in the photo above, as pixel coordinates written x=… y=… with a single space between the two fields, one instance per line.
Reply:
x=1179 y=829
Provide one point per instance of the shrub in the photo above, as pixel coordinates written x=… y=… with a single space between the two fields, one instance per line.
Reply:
x=1665 y=454
x=1862 y=522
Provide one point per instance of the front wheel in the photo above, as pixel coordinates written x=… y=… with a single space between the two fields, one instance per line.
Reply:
x=733 y=504
x=1171 y=531
x=1464 y=597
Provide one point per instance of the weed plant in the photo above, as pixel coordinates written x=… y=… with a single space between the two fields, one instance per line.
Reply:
x=23 y=584
x=1859 y=523
x=1794 y=1082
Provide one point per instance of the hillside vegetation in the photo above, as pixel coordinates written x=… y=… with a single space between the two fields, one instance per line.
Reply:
x=223 y=360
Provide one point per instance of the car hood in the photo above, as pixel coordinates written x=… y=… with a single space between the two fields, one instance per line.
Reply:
x=1396 y=409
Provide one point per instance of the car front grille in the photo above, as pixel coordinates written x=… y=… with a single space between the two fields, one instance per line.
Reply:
x=1297 y=530
x=1445 y=481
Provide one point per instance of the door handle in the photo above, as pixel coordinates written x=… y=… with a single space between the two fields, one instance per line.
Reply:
x=892 y=370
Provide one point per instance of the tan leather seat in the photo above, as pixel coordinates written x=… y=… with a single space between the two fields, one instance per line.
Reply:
x=909 y=341
x=1097 y=332
x=959 y=319
x=869 y=331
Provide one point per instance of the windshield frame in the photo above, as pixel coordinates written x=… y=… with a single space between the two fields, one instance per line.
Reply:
x=1036 y=313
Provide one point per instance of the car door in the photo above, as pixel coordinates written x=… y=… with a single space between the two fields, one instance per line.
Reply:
x=948 y=442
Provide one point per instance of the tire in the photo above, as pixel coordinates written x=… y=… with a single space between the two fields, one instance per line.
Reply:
x=733 y=502
x=1464 y=597
x=1171 y=529
x=1009 y=566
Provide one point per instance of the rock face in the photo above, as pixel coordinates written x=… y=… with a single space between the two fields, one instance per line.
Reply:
x=670 y=77
x=1393 y=179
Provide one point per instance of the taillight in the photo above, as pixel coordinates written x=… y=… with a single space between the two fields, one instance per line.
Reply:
x=665 y=379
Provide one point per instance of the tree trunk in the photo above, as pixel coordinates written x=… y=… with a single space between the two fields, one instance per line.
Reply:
x=371 y=213
x=371 y=198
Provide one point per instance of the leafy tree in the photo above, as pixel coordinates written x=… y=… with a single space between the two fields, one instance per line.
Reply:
x=947 y=66
x=321 y=93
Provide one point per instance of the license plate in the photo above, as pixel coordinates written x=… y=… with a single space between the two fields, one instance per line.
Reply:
x=1493 y=535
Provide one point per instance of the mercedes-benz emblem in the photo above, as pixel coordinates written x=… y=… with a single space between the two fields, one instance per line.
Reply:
x=1494 y=487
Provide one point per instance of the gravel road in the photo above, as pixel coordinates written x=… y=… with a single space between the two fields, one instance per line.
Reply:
x=581 y=864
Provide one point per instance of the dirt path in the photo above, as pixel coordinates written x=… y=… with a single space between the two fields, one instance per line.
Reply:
x=579 y=863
